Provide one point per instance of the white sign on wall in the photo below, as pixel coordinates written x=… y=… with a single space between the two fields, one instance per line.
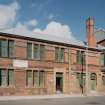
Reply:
x=20 y=63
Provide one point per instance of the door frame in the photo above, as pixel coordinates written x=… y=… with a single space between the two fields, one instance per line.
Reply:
x=60 y=76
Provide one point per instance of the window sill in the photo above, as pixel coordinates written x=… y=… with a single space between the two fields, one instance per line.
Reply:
x=7 y=86
x=36 y=87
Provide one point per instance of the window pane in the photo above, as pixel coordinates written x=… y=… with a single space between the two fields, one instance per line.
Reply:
x=84 y=62
x=41 y=77
x=102 y=59
x=29 y=78
x=62 y=55
x=29 y=50
x=79 y=60
x=4 y=48
x=11 y=48
x=36 y=78
x=3 y=77
x=36 y=52
x=42 y=49
x=10 y=77
x=103 y=80
x=57 y=54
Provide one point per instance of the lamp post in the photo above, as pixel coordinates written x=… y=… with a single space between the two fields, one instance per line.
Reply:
x=87 y=82
x=82 y=78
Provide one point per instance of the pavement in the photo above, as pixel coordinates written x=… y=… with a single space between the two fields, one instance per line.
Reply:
x=53 y=100
x=55 y=96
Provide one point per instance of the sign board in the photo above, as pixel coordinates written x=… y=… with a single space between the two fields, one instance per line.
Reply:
x=20 y=63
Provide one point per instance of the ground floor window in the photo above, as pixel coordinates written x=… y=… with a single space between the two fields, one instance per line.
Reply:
x=80 y=79
x=93 y=81
x=35 y=78
x=6 y=77
x=103 y=80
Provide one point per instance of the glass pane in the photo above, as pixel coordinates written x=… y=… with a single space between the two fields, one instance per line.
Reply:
x=36 y=78
x=10 y=77
x=84 y=59
x=79 y=60
x=42 y=49
x=11 y=48
x=62 y=55
x=103 y=80
x=41 y=77
x=102 y=59
x=29 y=50
x=57 y=54
x=36 y=52
x=29 y=78
x=4 y=48
x=3 y=77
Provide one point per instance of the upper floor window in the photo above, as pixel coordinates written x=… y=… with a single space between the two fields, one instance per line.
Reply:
x=80 y=57
x=11 y=48
x=35 y=51
x=38 y=51
x=59 y=54
x=4 y=48
x=29 y=50
x=7 y=48
x=102 y=59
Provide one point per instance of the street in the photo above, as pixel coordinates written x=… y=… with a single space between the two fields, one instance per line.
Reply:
x=96 y=100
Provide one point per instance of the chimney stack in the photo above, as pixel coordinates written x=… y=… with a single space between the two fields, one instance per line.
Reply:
x=91 y=40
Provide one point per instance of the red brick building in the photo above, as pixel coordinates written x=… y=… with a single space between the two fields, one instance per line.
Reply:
x=42 y=65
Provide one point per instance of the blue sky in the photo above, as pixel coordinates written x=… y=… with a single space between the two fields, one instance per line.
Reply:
x=70 y=13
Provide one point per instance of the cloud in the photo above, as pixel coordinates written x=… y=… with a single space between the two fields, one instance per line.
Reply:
x=56 y=29
x=33 y=23
x=8 y=14
x=19 y=29
x=53 y=29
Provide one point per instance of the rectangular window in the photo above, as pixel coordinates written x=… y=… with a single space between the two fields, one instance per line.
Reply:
x=103 y=79
x=36 y=78
x=10 y=77
x=59 y=54
x=102 y=59
x=42 y=50
x=81 y=79
x=6 y=77
x=29 y=78
x=29 y=50
x=80 y=57
x=3 y=77
x=4 y=48
x=36 y=51
x=11 y=48
x=41 y=78
x=62 y=55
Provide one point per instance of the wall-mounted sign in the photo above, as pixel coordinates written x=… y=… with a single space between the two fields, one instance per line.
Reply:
x=20 y=63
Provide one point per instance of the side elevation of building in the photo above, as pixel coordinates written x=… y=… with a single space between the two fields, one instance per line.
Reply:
x=35 y=65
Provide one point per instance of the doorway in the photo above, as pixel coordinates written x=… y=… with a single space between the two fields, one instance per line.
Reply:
x=59 y=82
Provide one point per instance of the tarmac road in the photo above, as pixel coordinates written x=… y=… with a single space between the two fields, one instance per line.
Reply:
x=96 y=100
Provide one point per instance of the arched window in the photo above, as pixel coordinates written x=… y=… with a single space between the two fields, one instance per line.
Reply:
x=93 y=76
